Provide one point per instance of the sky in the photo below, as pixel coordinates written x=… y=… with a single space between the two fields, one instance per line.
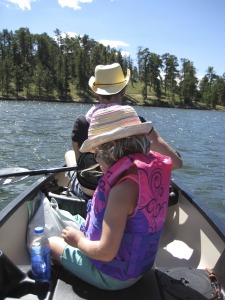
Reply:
x=190 y=29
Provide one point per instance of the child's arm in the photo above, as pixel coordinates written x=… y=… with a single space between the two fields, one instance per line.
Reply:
x=122 y=202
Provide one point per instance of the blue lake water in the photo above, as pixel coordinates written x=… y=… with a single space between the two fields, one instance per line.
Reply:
x=36 y=135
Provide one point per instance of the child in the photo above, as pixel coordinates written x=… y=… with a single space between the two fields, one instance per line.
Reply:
x=118 y=241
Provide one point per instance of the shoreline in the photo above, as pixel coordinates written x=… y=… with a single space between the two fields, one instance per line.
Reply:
x=128 y=101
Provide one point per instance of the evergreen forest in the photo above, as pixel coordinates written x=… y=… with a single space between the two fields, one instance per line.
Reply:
x=37 y=66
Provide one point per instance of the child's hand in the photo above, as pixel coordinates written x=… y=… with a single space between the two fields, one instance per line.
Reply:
x=72 y=236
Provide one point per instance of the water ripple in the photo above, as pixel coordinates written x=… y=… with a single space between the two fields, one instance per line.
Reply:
x=36 y=135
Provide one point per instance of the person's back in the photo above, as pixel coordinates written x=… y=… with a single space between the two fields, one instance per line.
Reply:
x=109 y=84
x=110 y=91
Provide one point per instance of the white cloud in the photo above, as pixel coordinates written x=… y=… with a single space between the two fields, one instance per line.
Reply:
x=113 y=44
x=116 y=44
x=125 y=53
x=23 y=4
x=75 y=4
x=69 y=34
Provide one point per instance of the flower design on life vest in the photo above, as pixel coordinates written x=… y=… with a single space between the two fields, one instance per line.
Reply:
x=155 y=182
x=155 y=208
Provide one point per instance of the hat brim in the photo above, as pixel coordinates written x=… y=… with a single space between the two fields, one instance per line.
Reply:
x=107 y=89
x=90 y=144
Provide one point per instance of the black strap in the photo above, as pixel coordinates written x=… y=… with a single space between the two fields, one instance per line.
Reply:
x=88 y=178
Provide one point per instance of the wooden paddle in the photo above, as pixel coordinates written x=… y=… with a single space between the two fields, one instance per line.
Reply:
x=11 y=175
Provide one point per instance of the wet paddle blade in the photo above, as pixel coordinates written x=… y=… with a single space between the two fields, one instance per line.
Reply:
x=10 y=175
x=11 y=178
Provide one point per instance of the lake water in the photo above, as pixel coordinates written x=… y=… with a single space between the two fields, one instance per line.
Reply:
x=36 y=135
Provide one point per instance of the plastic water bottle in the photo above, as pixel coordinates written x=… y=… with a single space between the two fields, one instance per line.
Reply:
x=40 y=256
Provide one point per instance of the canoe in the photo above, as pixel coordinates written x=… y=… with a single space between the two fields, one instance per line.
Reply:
x=190 y=262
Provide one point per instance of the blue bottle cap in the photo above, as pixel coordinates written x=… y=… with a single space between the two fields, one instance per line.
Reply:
x=38 y=230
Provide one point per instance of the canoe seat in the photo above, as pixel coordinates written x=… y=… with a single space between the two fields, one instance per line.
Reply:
x=70 y=203
x=157 y=284
x=70 y=287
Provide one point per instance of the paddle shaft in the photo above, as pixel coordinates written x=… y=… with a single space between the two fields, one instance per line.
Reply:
x=38 y=172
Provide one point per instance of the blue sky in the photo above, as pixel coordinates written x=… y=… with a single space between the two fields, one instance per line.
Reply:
x=191 y=29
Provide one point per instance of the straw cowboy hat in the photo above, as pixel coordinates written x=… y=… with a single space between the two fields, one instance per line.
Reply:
x=109 y=79
x=113 y=123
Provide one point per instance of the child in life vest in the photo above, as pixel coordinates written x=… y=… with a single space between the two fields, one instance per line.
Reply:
x=118 y=241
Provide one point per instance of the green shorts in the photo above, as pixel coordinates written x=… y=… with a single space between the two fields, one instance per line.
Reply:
x=79 y=264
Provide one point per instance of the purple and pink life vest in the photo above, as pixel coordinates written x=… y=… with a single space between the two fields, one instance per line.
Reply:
x=143 y=229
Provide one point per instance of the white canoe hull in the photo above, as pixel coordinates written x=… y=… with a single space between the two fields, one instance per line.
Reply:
x=193 y=238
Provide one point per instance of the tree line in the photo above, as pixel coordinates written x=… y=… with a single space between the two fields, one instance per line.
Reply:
x=39 y=66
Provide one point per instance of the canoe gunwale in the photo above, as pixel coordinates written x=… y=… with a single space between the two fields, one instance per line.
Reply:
x=203 y=209
x=66 y=283
x=11 y=207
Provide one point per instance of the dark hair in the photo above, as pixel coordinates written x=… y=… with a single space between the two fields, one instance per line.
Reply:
x=109 y=97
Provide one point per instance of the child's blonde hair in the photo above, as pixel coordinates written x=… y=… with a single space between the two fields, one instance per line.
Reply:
x=112 y=151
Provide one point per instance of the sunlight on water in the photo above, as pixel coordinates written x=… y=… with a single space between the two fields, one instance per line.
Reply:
x=36 y=135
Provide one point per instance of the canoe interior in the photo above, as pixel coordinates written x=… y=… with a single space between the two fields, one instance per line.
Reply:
x=193 y=240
